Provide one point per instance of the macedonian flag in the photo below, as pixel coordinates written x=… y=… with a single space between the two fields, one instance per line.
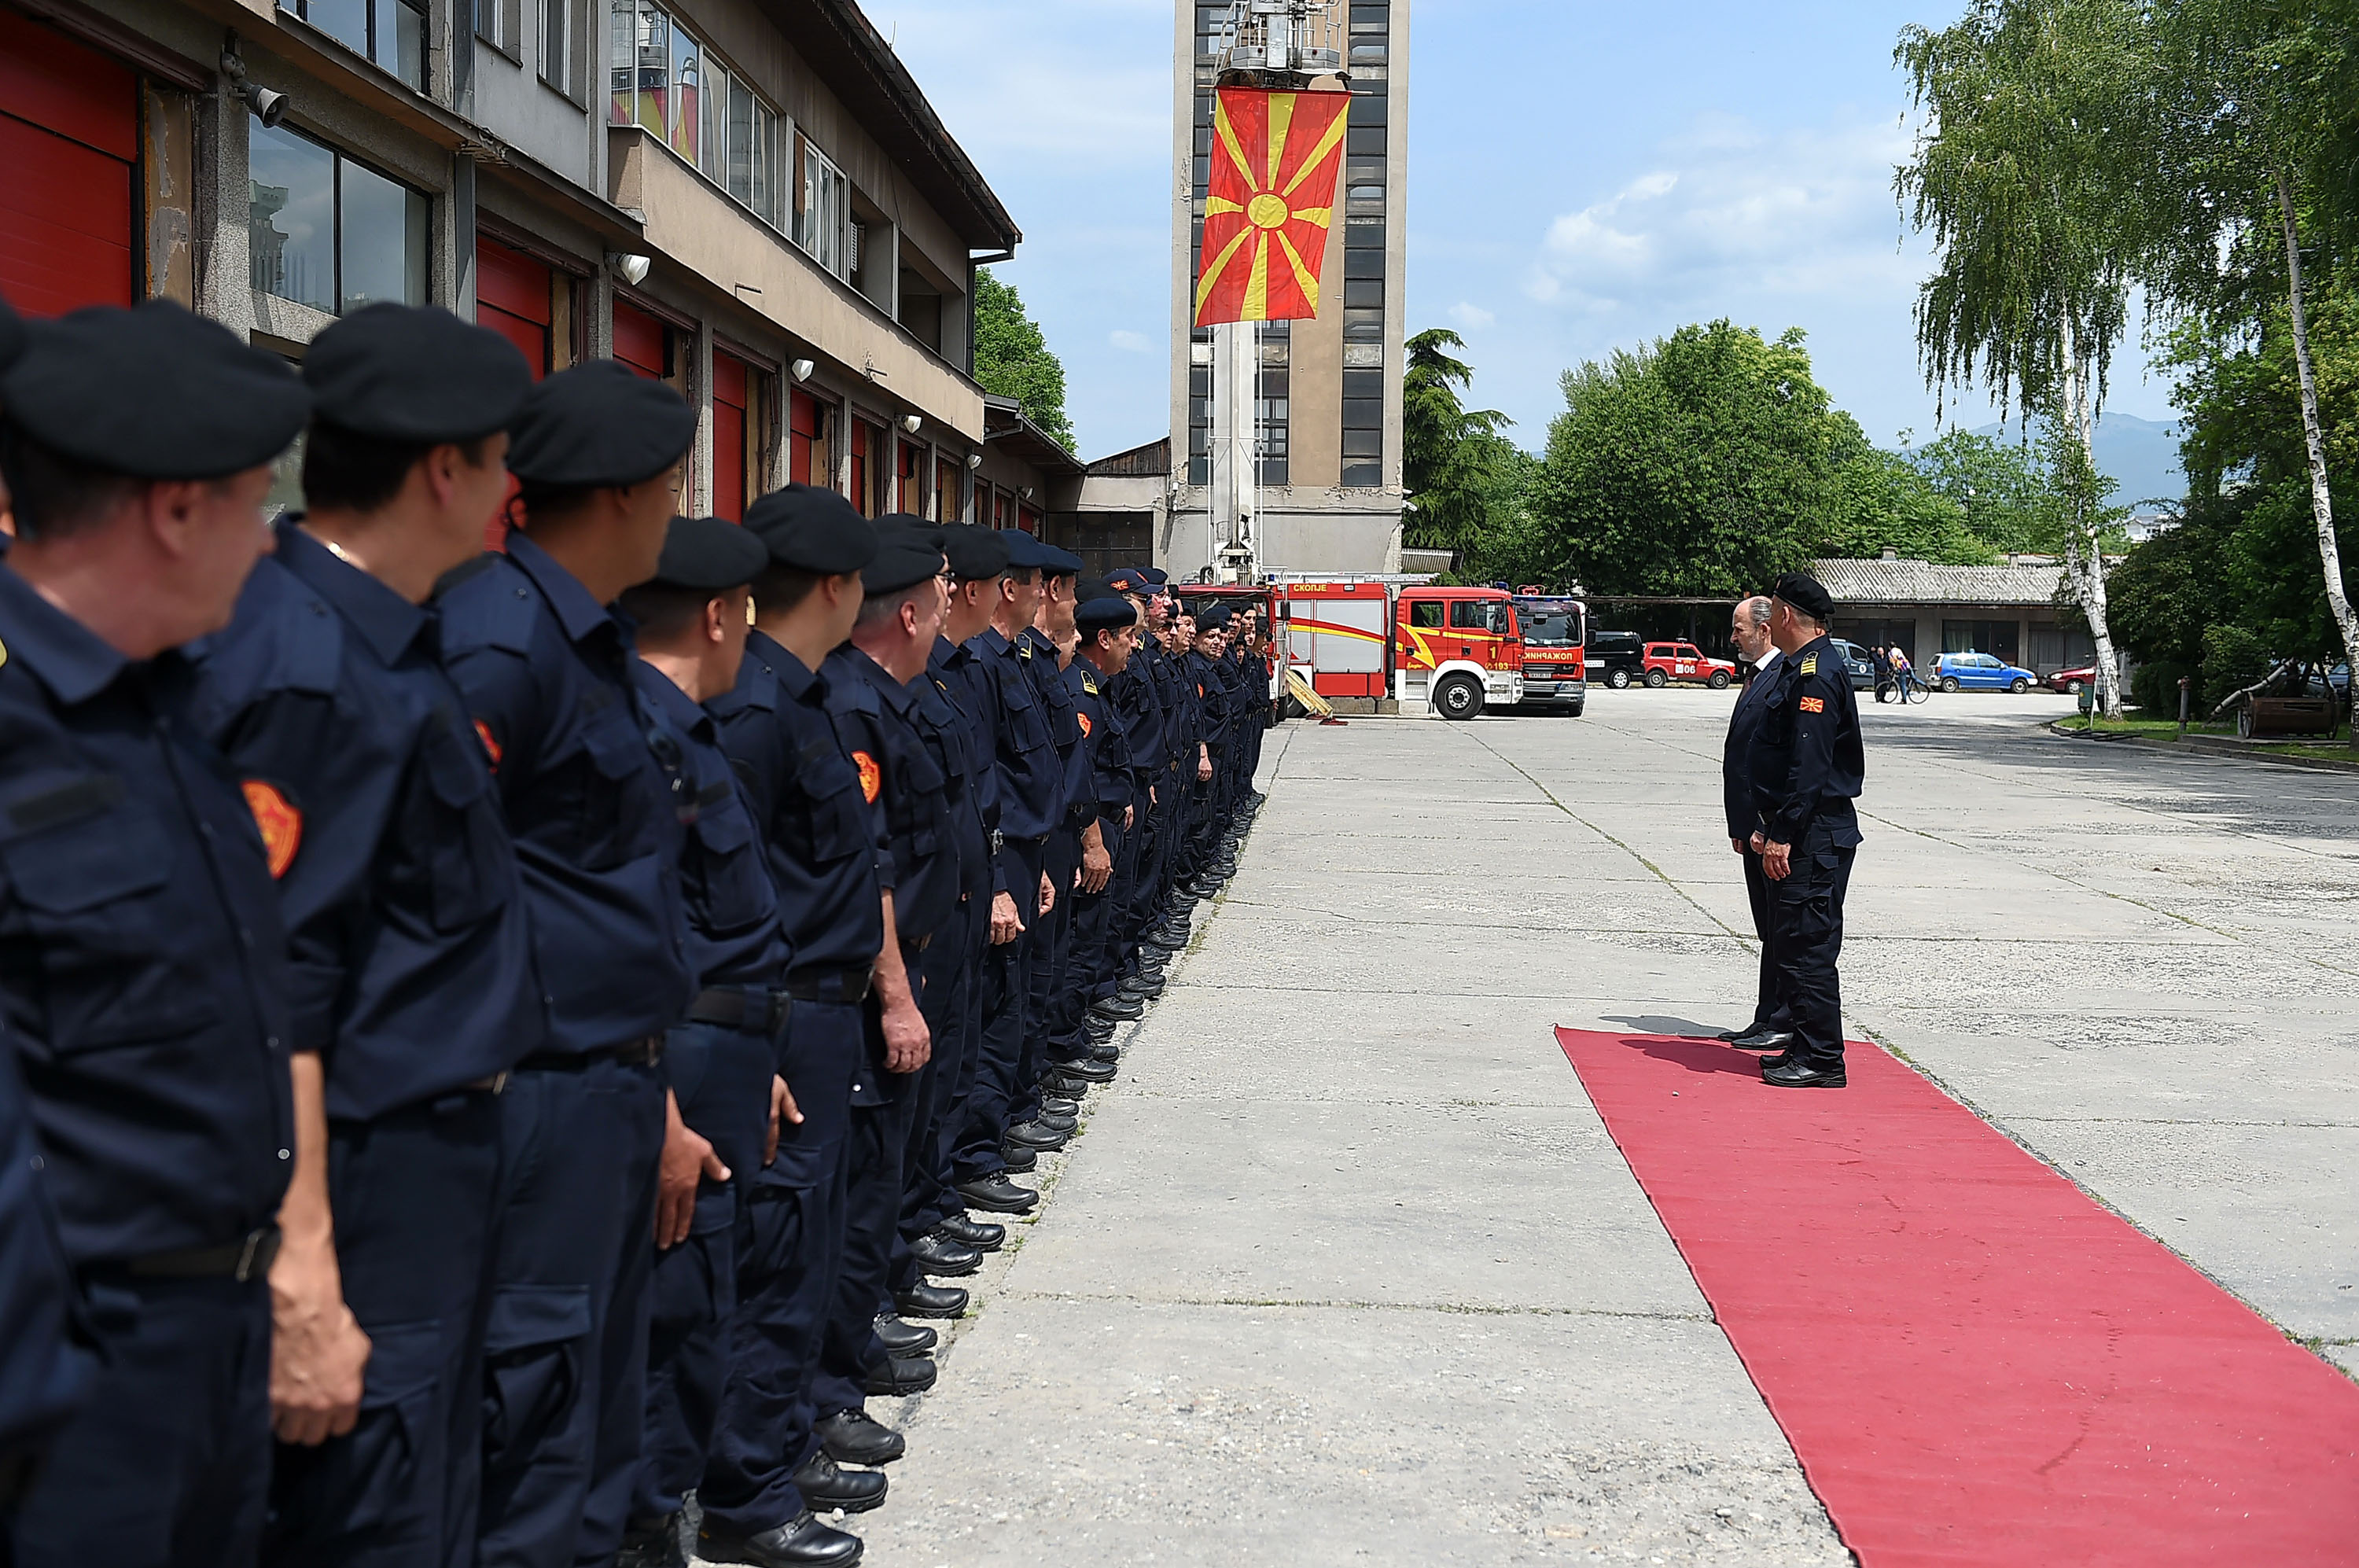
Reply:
x=1276 y=157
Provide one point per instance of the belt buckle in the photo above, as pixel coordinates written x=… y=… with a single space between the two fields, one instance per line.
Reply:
x=261 y=1249
x=497 y=1085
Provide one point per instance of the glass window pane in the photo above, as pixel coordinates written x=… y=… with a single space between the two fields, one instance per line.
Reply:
x=291 y=222
x=383 y=257
x=401 y=41
x=774 y=155
x=741 y=142
x=764 y=167
x=654 y=54
x=622 y=59
x=712 y=129
x=556 y=41
x=684 y=111
x=346 y=21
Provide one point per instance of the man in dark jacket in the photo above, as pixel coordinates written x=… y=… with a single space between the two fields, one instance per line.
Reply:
x=1770 y=1030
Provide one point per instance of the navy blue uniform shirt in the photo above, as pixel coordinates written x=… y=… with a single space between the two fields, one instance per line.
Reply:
x=952 y=669
x=736 y=935
x=406 y=926
x=876 y=717
x=41 y=1369
x=546 y=672
x=143 y=969
x=1137 y=698
x=806 y=800
x=1736 y=751
x=950 y=739
x=1030 y=770
x=1202 y=674
x=1037 y=651
x=1806 y=762
x=1103 y=740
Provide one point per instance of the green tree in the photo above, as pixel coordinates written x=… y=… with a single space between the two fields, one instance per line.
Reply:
x=1702 y=463
x=1012 y=358
x=1448 y=450
x=2025 y=176
x=1882 y=500
x=2000 y=489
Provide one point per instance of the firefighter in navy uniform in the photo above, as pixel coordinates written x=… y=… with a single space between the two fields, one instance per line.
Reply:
x=143 y=967
x=415 y=987
x=727 y=1100
x=1807 y=767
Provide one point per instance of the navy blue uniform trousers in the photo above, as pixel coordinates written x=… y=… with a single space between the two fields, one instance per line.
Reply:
x=1807 y=910
x=721 y=1079
x=412 y=1193
x=1770 y=1010
x=875 y=1172
x=565 y=1345
x=1006 y=981
x=786 y=1279
x=1051 y=937
x=951 y=1003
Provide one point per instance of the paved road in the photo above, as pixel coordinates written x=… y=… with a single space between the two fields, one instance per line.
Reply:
x=1345 y=1270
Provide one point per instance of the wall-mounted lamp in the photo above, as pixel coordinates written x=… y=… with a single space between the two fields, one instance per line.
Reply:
x=631 y=269
x=1026 y=493
x=974 y=460
x=913 y=423
x=802 y=370
x=269 y=107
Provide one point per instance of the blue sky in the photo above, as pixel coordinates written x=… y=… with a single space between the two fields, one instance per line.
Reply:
x=1584 y=177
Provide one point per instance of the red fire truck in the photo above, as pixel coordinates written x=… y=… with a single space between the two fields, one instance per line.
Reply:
x=1458 y=650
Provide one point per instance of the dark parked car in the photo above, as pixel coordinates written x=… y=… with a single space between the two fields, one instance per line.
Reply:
x=1618 y=659
x=1855 y=660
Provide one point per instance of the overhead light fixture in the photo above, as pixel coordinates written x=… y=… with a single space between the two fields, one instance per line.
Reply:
x=1026 y=493
x=974 y=460
x=913 y=423
x=802 y=370
x=632 y=269
x=269 y=107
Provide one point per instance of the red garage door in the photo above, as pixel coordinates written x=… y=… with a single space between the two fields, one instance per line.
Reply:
x=639 y=341
x=728 y=377
x=804 y=424
x=512 y=299
x=68 y=153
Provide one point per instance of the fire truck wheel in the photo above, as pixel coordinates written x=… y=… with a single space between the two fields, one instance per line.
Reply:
x=1458 y=697
x=1657 y=679
x=1617 y=678
x=1719 y=682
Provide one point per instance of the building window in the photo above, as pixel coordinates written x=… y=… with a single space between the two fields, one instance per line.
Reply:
x=390 y=32
x=556 y=50
x=329 y=233
x=823 y=210
x=663 y=80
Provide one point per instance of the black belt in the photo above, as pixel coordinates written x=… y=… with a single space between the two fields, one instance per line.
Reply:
x=644 y=1051
x=750 y=1008
x=848 y=985
x=249 y=1258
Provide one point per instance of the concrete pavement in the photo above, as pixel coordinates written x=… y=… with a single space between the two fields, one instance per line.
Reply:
x=1345 y=1270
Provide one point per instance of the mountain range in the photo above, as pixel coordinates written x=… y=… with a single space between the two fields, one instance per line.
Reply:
x=2141 y=455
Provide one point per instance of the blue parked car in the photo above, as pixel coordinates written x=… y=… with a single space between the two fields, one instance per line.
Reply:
x=1980 y=672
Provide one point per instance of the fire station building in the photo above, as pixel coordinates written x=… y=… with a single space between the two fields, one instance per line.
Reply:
x=749 y=200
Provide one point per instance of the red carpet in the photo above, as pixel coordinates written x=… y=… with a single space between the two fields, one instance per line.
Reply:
x=1975 y=1362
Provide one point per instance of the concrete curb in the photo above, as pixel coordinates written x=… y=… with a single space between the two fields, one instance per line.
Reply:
x=2209 y=745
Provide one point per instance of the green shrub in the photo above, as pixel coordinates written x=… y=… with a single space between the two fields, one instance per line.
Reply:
x=2233 y=657
x=2155 y=688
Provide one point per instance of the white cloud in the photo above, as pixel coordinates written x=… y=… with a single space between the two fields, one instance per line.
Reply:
x=1471 y=317
x=1130 y=342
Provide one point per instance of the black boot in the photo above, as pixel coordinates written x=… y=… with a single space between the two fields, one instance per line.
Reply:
x=801 y=1542
x=855 y=1437
x=826 y=1484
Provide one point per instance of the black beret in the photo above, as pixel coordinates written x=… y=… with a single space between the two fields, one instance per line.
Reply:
x=1025 y=553
x=1129 y=580
x=153 y=393
x=1157 y=575
x=810 y=530
x=975 y=552
x=415 y=373
x=1803 y=592
x=11 y=335
x=1213 y=617
x=906 y=556
x=1059 y=563
x=1105 y=612
x=708 y=555
x=599 y=424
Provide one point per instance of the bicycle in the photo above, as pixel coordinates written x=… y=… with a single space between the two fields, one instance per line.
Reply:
x=1909 y=690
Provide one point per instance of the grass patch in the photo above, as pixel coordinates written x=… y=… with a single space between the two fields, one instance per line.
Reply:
x=2321 y=750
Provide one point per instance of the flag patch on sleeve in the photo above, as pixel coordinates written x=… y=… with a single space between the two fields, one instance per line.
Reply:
x=1814 y=704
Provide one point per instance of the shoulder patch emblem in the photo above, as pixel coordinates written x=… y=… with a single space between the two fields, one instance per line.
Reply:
x=491 y=746
x=1089 y=683
x=1086 y=722
x=281 y=823
x=871 y=778
x=4 y=656
x=1809 y=664
x=1200 y=688
x=1814 y=704
x=1023 y=650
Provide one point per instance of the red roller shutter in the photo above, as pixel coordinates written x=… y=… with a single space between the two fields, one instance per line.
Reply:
x=728 y=377
x=639 y=341
x=860 y=438
x=512 y=295
x=69 y=160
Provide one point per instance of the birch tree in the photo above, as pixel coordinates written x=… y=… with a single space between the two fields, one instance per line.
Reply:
x=2033 y=129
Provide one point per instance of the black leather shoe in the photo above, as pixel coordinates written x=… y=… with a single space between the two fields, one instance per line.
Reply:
x=1032 y=1135
x=899 y=1339
x=930 y=1302
x=827 y=1485
x=976 y=1234
x=1141 y=986
x=1056 y=1121
x=1120 y=1010
x=1055 y=1105
x=1109 y=1054
x=1097 y=1031
x=938 y=1255
x=652 y=1543
x=801 y=1542
x=855 y=1437
x=1166 y=942
x=1802 y=1075
x=1764 y=1040
x=1088 y=1072
x=899 y=1376
x=1016 y=1158
x=1064 y=1083
x=993 y=1194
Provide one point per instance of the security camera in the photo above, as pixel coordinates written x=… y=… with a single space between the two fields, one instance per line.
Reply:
x=632 y=269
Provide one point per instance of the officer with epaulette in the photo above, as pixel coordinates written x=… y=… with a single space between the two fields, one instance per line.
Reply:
x=1807 y=766
x=415 y=986
x=545 y=665
x=767 y=1473
x=727 y=1100
x=1137 y=697
x=1030 y=787
x=1107 y=624
x=1206 y=869
x=143 y=967
x=1164 y=912
x=875 y=709
x=938 y=1237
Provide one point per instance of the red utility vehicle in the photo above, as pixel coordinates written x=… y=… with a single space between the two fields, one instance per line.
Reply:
x=1459 y=650
x=1669 y=661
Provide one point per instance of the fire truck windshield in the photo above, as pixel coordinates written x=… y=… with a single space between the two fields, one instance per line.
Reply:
x=1553 y=631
